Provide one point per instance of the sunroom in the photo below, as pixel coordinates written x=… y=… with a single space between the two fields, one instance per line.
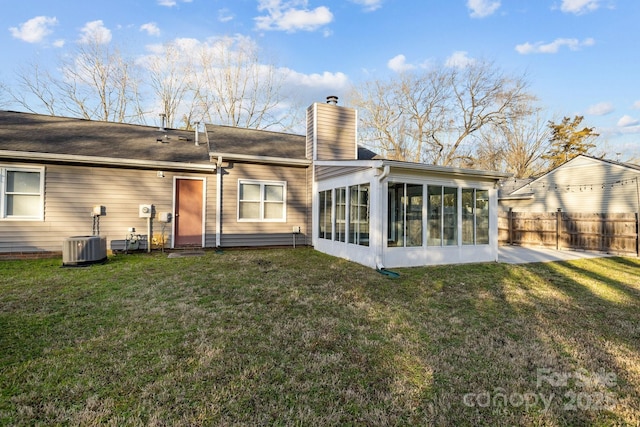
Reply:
x=385 y=214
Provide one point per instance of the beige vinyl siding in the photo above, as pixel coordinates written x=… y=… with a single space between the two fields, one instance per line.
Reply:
x=333 y=129
x=310 y=132
x=582 y=185
x=72 y=191
x=245 y=233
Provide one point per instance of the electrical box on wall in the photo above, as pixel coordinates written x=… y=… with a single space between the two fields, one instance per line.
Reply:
x=145 y=211
x=99 y=210
x=164 y=217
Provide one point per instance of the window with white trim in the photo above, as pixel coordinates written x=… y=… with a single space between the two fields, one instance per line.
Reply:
x=404 y=214
x=22 y=193
x=475 y=216
x=343 y=214
x=262 y=201
x=442 y=222
x=359 y=210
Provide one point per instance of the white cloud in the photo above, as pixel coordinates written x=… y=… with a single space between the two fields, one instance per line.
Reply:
x=171 y=3
x=636 y=105
x=626 y=121
x=554 y=46
x=35 y=29
x=629 y=130
x=95 y=31
x=459 y=59
x=600 y=109
x=185 y=45
x=315 y=87
x=324 y=81
x=291 y=16
x=224 y=15
x=399 y=64
x=482 y=8
x=369 y=5
x=59 y=43
x=579 y=7
x=151 y=28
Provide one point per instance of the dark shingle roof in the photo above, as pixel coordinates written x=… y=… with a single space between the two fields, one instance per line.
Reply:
x=231 y=140
x=70 y=136
x=365 y=154
x=39 y=133
x=227 y=139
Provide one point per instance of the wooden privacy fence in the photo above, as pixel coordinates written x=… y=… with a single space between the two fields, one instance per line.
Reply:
x=604 y=232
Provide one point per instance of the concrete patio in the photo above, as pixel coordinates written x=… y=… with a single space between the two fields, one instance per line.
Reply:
x=524 y=255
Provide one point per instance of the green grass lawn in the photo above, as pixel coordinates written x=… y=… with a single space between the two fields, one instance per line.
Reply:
x=295 y=337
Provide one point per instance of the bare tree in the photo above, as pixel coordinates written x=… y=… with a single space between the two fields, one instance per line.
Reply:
x=434 y=115
x=99 y=83
x=516 y=146
x=95 y=82
x=170 y=77
x=4 y=95
x=224 y=80
x=37 y=90
x=235 y=87
x=401 y=116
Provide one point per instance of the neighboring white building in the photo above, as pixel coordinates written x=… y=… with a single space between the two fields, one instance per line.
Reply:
x=583 y=184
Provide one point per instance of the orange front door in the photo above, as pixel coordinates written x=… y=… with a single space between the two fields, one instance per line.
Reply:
x=188 y=215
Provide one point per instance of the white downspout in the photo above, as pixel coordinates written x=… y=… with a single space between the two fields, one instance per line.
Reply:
x=381 y=214
x=219 y=172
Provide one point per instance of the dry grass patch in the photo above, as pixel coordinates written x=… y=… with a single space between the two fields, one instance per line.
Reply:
x=294 y=337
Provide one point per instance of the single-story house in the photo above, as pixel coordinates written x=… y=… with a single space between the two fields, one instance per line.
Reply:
x=231 y=187
x=583 y=184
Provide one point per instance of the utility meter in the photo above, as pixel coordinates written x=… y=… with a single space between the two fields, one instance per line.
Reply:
x=145 y=211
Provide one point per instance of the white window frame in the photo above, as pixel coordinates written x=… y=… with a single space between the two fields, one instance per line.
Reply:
x=3 y=193
x=262 y=201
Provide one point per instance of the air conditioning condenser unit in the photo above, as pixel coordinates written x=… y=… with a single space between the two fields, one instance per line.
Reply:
x=84 y=250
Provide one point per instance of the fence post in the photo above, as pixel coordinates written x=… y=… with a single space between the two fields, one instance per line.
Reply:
x=604 y=218
x=510 y=227
x=558 y=219
x=637 y=234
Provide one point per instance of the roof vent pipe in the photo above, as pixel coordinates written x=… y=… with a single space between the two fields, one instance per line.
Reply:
x=162 y=117
x=197 y=125
x=332 y=100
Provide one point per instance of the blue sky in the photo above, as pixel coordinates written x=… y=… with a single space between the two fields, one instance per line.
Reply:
x=580 y=56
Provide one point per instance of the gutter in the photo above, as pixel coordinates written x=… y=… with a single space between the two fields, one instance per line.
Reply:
x=105 y=161
x=261 y=159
